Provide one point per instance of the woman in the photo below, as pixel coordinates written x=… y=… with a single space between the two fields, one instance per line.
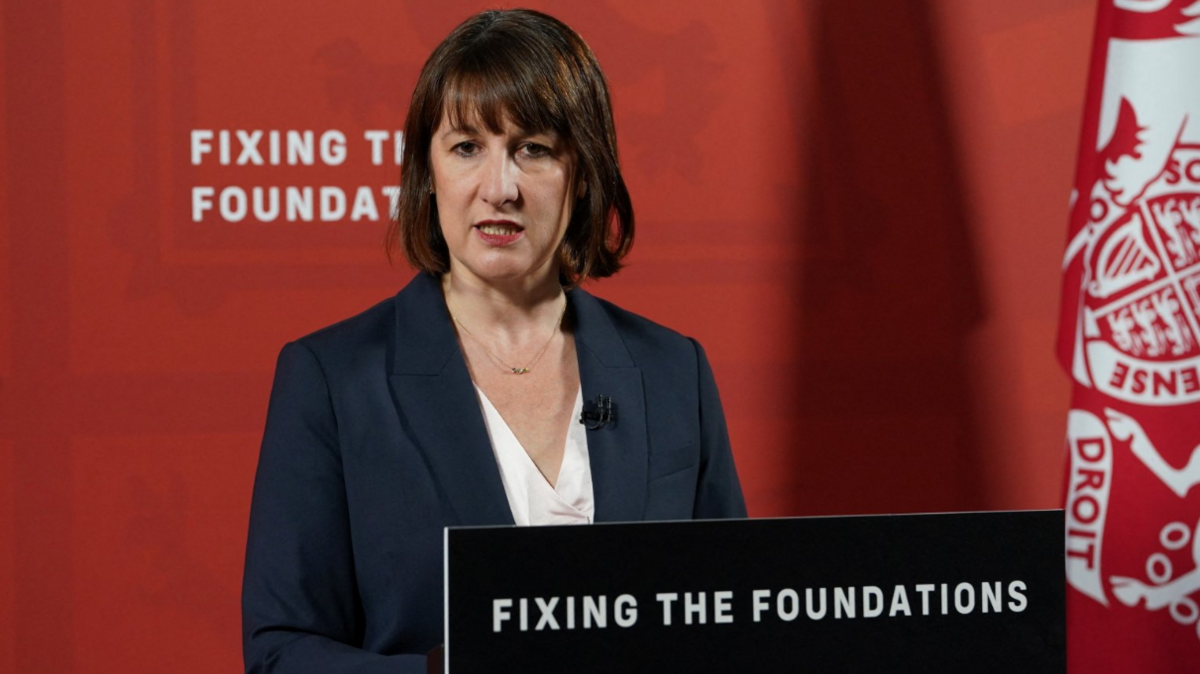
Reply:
x=458 y=402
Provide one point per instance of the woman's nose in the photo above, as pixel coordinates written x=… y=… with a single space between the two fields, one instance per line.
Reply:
x=499 y=179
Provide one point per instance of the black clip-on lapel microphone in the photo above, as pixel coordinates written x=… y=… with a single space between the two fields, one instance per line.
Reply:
x=598 y=413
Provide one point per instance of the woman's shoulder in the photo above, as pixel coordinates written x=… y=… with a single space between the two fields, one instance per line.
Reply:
x=356 y=331
x=415 y=315
x=351 y=345
x=419 y=299
x=646 y=340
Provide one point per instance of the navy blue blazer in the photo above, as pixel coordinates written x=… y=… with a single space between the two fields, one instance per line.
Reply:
x=375 y=441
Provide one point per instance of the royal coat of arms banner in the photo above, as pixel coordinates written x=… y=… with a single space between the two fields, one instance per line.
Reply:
x=1130 y=337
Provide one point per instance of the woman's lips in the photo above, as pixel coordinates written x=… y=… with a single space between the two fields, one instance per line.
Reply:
x=499 y=233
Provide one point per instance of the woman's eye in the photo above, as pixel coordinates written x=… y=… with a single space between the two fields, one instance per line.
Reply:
x=466 y=149
x=535 y=150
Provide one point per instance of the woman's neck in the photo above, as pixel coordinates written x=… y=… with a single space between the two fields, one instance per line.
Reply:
x=505 y=311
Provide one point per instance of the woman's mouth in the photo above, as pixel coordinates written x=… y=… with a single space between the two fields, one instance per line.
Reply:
x=499 y=233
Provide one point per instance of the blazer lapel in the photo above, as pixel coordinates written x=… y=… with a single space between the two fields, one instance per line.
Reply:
x=619 y=451
x=439 y=409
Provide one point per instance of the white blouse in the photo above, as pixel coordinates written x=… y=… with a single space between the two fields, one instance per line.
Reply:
x=530 y=497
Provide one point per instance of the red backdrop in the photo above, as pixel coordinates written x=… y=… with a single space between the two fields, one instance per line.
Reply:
x=858 y=207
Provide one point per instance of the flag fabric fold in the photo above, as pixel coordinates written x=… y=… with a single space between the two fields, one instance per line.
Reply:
x=1129 y=337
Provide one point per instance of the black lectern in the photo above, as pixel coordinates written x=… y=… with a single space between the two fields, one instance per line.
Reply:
x=962 y=592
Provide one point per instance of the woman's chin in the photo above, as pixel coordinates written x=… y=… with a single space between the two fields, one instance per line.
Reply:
x=507 y=271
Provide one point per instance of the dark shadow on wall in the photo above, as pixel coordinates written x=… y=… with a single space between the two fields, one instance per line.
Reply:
x=888 y=289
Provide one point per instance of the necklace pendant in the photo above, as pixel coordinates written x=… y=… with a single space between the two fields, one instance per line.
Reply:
x=519 y=370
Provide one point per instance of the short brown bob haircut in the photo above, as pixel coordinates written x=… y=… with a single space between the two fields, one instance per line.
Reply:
x=532 y=69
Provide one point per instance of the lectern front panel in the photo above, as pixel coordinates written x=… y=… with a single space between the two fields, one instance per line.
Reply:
x=964 y=592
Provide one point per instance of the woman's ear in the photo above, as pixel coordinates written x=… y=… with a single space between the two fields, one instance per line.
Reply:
x=582 y=190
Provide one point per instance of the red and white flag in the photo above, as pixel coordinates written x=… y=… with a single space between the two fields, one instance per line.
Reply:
x=1130 y=338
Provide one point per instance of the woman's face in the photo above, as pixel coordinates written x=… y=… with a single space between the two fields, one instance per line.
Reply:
x=503 y=200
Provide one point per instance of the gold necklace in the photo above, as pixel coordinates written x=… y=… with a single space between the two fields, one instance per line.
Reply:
x=515 y=370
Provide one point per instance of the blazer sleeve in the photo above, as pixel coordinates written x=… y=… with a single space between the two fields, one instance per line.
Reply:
x=300 y=606
x=718 y=493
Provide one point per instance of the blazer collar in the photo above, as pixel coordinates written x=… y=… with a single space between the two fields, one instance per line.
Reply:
x=425 y=339
x=437 y=403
